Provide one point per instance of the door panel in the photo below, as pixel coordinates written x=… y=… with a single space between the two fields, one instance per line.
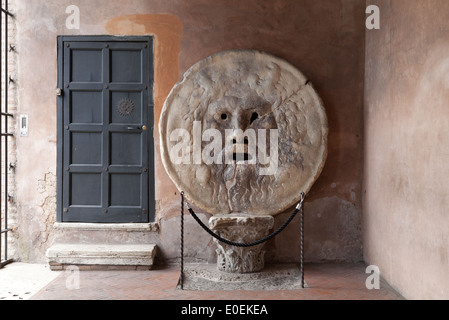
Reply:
x=86 y=189
x=126 y=107
x=85 y=148
x=126 y=149
x=130 y=196
x=130 y=72
x=90 y=59
x=106 y=115
x=85 y=107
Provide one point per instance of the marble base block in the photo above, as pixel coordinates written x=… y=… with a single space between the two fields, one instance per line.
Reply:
x=240 y=228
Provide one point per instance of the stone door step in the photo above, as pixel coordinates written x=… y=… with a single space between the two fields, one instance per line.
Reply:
x=61 y=255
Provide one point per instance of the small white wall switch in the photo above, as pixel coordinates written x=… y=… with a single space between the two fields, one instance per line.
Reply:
x=24 y=125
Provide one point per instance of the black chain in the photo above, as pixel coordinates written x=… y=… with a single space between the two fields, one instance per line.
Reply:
x=298 y=208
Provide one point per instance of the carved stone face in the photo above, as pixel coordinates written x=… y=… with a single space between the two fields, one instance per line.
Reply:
x=255 y=105
x=232 y=117
x=238 y=115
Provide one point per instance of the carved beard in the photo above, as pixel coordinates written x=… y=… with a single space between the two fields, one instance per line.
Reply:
x=239 y=186
x=237 y=179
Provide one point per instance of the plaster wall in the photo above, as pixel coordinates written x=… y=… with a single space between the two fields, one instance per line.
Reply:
x=406 y=200
x=323 y=39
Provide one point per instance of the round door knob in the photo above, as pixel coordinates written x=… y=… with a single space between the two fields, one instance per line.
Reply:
x=144 y=128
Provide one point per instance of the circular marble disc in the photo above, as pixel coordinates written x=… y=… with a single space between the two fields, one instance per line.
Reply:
x=243 y=132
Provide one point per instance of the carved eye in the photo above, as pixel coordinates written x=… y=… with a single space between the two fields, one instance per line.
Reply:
x=224 y=116
x=254 y=117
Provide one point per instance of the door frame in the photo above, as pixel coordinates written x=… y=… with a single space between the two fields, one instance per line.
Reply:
x=60 y=116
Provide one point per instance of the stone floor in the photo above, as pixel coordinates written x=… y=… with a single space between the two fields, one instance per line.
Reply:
x=20 y=281
x=324 y=282
x=274 y=277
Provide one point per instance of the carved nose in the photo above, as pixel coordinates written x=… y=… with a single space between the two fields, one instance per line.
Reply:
x=236 y=123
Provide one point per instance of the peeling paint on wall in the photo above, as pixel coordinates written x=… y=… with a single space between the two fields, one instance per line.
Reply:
x=47 y=188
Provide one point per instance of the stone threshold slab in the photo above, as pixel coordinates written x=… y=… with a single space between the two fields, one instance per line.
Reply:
x=152 y=227
x=207 y=277
x=102 y=254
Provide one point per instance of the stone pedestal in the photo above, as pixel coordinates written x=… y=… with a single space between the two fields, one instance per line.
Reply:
x=240 y=228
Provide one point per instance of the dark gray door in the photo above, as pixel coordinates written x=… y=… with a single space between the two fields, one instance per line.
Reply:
x=106 y=137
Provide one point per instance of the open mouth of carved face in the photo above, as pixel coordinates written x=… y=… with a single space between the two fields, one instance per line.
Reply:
x=240 y=151
x=241 y=157
x=237 y=165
